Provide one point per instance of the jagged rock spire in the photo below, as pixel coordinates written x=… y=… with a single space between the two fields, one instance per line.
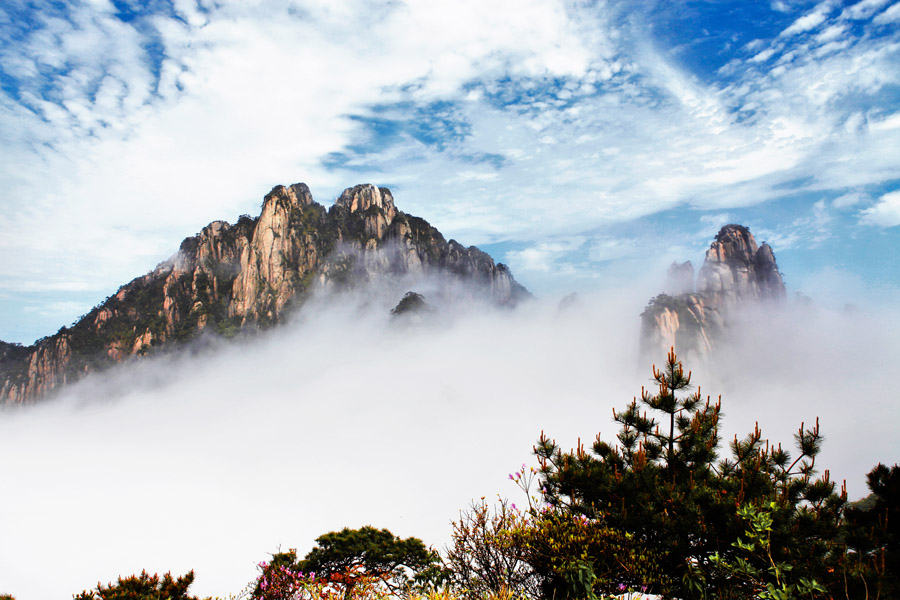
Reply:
x=377 y=204
x=736 y=273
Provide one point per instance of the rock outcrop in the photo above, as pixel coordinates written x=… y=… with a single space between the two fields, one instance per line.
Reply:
x=736 y=273
x=244 y=277
x=412 y=309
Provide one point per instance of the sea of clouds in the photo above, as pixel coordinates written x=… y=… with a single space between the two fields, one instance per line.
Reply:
x=213 y=459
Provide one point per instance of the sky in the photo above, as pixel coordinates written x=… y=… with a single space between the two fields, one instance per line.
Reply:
x=585 y=144
x=578 y=142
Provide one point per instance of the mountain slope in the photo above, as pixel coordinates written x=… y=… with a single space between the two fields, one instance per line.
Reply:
x=250 y=275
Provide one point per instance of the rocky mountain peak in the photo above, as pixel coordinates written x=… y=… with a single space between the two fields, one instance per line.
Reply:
x=736 y=270
x=362 y=197
x=412 y=308
x=736 y=273
x=733 y=245
x=250 y=275
x=375 y=203
x=296 y=195
x=769 y=279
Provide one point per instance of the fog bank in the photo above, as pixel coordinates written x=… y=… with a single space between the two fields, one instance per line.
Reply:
x=212 y=461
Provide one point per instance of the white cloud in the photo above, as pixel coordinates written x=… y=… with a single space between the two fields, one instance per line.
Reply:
x=610 y=248
x=849 y=199
x=884 y=213
x=717 y=219
x=832 y=33
x=808 y=21
x=863 y=9
x=541 y=257
x=763 y=55
x=781 y=6
x=891 y=15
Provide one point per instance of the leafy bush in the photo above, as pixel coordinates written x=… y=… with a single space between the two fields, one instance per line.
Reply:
x=578 y=557
x=770 y=582
x=354 y=562
x=484 y=559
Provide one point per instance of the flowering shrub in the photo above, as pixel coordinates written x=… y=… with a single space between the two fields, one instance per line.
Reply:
x=483 y=559
x=283 y=582
x=543 y=552
x=579 y=557
x=351 y=563
x=279 y=580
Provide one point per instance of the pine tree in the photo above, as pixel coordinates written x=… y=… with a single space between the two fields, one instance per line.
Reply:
x=143 y=587
x=663 y=484
x=871 y=538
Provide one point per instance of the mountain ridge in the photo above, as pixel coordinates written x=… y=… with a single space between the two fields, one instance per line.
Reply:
x=238 y=278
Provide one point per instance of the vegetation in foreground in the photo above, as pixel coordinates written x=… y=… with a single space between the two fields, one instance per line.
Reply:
x=658 y=514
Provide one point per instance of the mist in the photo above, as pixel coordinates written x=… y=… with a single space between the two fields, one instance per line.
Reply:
x=212 y=460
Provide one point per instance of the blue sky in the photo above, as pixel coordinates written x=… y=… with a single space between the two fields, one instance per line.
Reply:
x=586 y=144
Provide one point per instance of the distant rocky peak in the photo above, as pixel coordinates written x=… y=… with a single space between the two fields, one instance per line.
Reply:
x=375 y=204
x=285 y=200
x=412 y=306
x=771 y=284
x=733 y=243
x=736 y=273
x=737 y=270
x=295 y=196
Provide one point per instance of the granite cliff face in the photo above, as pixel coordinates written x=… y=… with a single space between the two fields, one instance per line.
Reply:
x=736 y=273
x=248 y=276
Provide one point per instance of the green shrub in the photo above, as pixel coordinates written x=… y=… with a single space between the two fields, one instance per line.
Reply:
x=354 y=561
x=484 y=558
